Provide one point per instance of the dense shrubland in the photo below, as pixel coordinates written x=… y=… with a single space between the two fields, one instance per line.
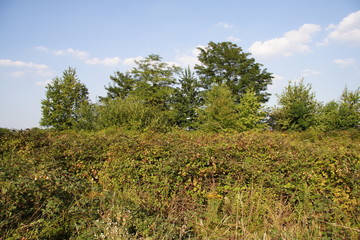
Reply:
x=173 y=154
x=120 y=184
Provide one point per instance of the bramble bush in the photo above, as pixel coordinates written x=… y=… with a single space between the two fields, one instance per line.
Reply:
x=121 y=184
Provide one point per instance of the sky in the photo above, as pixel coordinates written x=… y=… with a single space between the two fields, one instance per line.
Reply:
x=317 y=40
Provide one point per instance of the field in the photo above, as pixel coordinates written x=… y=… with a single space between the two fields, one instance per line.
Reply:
x=118 y=184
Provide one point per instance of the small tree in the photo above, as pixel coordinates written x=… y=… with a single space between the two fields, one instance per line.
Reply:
x=349 y=109
x=251 y=113
x=187 y=99
x=298 y=108
x=64 y=96
x=220 y=110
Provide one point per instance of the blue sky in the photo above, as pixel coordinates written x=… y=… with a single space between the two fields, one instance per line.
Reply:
x=315 y=39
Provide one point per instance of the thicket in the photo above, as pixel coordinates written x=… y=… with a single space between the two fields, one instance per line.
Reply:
x=120 y=184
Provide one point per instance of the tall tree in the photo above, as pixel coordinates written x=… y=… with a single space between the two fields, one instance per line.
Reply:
x=187 y=99
x=226 y=63
x=64 y=97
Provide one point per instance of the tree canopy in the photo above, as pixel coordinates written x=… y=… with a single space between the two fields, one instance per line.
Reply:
x=64 y=97
x=226 y=63
x=225 y=92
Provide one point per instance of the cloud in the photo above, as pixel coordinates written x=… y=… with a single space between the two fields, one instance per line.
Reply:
x=26 y=68
x=343 y=63
x=106 y=61
x=189 y=58
x=10 y=63
x=17 y=74
x=43 y=83
x=309 y=72
x=71 y=52
x=84 y=56
x=233 y=39
x=293 y=42
x=41 y=48
x=347 y=31
x=131 y=61
x=223 y=25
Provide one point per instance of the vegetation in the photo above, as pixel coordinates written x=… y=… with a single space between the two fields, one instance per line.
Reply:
x=170 y=154
x=227 y=93
x=119 y=184
x=64 y=97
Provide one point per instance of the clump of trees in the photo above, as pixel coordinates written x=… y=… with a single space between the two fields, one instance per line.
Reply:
x=226 y=92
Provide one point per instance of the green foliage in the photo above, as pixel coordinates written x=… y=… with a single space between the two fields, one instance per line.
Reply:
x=116 y=184
x=64 y=96
x=349 y=109
x=123 y=85
x=344 y=114
x=132 y=113
x=187 y=100
x=220 y=111
x=251 y=113
x=298 y=108
x=226 y=63
x=155 y=81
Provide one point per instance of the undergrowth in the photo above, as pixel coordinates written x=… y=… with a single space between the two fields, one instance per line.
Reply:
x=116 y=184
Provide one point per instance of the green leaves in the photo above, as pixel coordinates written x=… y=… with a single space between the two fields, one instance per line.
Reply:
x=298 y=108
x=129 y=184
x=64 y=96
x=226 y=63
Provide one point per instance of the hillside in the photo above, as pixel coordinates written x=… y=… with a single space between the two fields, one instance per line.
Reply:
x=117 y=184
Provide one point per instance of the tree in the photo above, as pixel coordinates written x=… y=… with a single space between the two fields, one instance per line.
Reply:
x=298 y=108
x=251 y=113
x=154 y=81
x=64 y=96
x=220 y=111
x=187 y=99
x=226 y=63
x=123 y=85
x=328 y=117
x=349 y=109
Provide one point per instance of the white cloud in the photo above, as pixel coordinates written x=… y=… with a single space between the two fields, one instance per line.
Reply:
x=41 y=48
x=72 y=52
x=293 y=42
x=17 y=74
x=131 y=61
x=43 y=83
x=277 y=77
x=26 y=68
x=342 y=63
x=10 y=63
x=106 y=61
x=309 y=72
x=347 y=31
x=233 y=39
x=189 y=59
x=224 y=25
x=86 y=57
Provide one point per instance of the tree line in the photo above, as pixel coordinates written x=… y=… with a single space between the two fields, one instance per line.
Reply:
x=225 y=92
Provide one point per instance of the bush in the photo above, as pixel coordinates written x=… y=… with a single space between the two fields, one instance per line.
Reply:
x=120 y=184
